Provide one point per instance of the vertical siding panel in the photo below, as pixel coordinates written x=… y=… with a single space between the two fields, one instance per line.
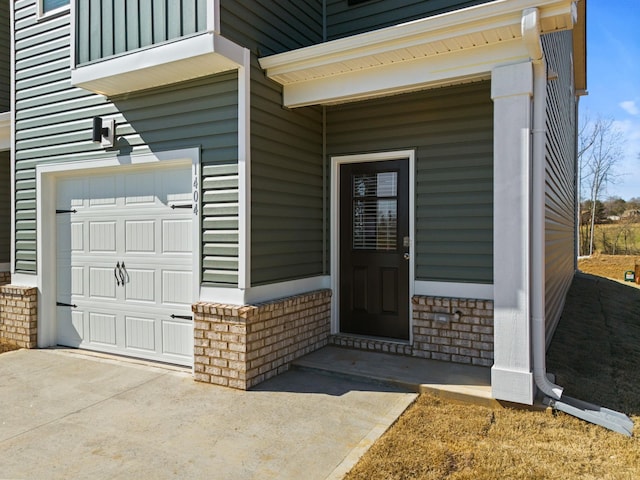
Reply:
x=84 y=32
x=133 y=23
x=452 y=131
x=95 y=29
x=560 y=177
x=107 y=28
x=119 y=27
x=159 y=21
x=174 y=12
x=146 y=26
x=189 y=16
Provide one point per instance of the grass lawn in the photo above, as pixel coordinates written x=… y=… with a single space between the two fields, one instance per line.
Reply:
x=595 y=355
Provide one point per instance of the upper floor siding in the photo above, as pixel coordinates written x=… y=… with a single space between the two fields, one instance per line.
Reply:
x=5 y=57
x=112 y=27
x=348 y=17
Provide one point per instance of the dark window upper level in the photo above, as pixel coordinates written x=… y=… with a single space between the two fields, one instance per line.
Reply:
x=5 y=57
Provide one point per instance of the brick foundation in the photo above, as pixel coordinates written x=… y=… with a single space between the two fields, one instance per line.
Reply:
x=453 y=329
x=241 y=346
x=438 y=333
x=19 y=315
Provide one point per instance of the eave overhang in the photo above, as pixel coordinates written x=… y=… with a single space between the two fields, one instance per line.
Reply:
x=176 y=61
x=454 y=47
x=5 y=131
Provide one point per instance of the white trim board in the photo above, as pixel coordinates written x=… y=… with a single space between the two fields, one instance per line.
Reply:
x=336 y=161
x=46 y=179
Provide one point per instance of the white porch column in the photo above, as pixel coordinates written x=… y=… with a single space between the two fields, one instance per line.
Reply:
x=511 y=374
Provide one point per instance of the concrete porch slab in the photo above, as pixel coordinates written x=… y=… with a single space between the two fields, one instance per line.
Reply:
x=467 y=383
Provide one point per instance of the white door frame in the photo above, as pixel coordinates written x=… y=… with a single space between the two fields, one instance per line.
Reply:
x=47 y=176
x=336 y=161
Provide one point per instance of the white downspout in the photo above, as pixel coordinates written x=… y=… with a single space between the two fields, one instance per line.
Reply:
x=531 y=37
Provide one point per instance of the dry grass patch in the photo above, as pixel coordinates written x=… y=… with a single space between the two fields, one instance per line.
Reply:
x=436 y=439
x=595 y=355
x=609 y=266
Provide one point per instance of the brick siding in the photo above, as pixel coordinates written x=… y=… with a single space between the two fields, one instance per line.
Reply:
x=241 y=346
x=448 y=329
x=19 y=315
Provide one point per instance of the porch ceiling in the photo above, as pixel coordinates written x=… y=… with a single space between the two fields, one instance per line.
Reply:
x=453 y=47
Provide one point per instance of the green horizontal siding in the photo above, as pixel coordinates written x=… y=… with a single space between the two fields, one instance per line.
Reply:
x=267 y=27
x=344 y=20
x=54 y=121
x=287 y=187
x=560 y=191
x=451 y=130
x=112 y=27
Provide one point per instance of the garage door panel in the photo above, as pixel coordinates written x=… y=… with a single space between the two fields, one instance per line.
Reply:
x=140 y=236
x=177 y=338
x=176 y=287
x=102 y=328
x=172 y=192
x=140 y=333
x=102 y=236
x=141 y=285
x=102 y=283
x=176 y=236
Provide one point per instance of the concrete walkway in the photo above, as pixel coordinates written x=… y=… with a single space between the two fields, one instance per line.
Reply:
x=66 y=414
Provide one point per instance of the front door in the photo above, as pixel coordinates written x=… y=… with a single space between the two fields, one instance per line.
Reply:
x=374 y=249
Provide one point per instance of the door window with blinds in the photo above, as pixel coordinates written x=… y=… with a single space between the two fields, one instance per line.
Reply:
x=375 y=211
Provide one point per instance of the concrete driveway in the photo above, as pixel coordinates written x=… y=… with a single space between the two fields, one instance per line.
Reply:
x=66 y=414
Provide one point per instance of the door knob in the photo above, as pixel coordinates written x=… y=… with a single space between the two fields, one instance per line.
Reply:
x=407 y=256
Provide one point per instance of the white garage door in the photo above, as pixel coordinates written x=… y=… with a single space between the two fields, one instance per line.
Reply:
x=124 y=263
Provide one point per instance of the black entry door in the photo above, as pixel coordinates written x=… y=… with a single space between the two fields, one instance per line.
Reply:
x=374 y=249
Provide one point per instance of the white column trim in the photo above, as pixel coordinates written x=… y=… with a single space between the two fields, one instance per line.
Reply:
x=244 y=172
x=511 y=92
x=478 y=291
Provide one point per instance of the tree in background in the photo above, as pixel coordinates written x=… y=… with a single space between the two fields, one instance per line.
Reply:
x=600 y=150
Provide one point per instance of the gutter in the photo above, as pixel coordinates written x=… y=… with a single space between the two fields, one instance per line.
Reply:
x=610 y=419
x=531 y=37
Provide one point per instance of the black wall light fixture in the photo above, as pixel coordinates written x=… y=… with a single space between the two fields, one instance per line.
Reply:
x=104 y=135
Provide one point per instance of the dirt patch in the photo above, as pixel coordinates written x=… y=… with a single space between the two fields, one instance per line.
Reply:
x=609 y=266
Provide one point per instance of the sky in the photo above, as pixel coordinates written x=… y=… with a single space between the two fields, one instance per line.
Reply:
x=613 y=82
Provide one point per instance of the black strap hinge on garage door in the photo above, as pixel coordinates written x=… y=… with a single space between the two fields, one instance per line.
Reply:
x=66 y=211
x=61 y=304
x=174 y=206
x=183 y=317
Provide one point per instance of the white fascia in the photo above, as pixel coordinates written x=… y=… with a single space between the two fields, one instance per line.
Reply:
x=175 y=61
